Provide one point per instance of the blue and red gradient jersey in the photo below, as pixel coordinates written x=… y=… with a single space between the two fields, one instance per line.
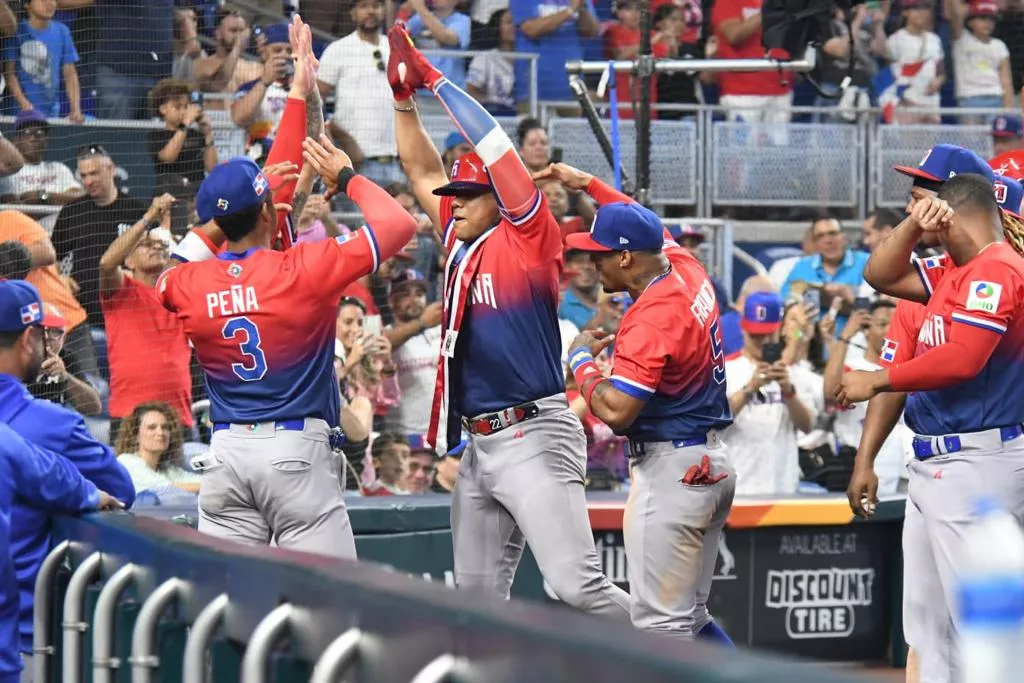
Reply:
x=263 y=325
x=987 y=293
x=509 y=346
x=901 y=339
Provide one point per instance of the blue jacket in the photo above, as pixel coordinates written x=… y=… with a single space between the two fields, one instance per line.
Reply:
x=62 y=431
x=50 y=483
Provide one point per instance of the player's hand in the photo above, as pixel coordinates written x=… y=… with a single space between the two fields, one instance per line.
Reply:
x=306 y=63
x=932 y=214
x=594 y=341
x=862 y=493
x=53 y=366
x=281 y=173
x=407 y=68
x=700 y=475
x=570 y=177
x=858 y=321
x=779 y=372
x=859 y=385
x=431 y=315
x=108 y=502
x=159 y=207
x=326 y=159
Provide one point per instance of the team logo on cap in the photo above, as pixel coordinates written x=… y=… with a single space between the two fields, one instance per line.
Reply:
x=31 y=313
x=1000 y=190
x=1001 y=123
x=222 y=204
x=259 y=184
x=455 y=167
x=760 y=313
x=623 y=240
x=925 y=159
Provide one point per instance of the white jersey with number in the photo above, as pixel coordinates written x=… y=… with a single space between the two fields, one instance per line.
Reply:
x=890 y=465
x=763 y=439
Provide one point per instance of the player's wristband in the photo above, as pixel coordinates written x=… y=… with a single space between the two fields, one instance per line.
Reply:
x=345 y=176
x=584 y=368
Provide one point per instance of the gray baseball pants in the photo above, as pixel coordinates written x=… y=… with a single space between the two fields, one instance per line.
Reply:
x=938 y=519
x=672 y=532
x=261 y=484
x=521 y=485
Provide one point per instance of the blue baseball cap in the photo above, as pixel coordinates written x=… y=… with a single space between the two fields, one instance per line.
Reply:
x=621 y=226
x=1007 y=126
x=20 y=306
x=275 y=33
x=454 y=139
x=942 y=162
x=681 y=231
x=28 y=116
x=762 y=313
x=231 y=187
x=408 y=276
x=1009 y=195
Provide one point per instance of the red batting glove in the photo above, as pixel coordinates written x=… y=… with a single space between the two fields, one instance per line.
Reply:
x=701 y=475
x=408 y=69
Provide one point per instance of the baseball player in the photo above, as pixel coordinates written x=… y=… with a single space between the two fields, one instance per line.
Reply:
x=500 y=373
x=1009 y=164
x=667 y=394
x=965 y=411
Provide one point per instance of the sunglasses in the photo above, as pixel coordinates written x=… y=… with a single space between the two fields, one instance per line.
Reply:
x=379 y=58
x=91 y=151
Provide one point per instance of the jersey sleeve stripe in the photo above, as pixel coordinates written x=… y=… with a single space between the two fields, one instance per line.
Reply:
x=446 y=234
x=919 y=265
x=194 y=247
x=979 y=322
x=374 y=247
x=526 y=216
x=631 y=387
x=493 y=146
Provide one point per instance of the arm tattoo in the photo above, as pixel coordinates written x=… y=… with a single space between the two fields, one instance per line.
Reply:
x=299 y=203
x=314 y=129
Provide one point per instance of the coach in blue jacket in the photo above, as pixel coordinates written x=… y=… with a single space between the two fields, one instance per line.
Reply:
x=46 y=425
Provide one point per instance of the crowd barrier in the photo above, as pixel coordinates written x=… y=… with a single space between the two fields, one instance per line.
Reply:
x=141 y=597
x=700 y=161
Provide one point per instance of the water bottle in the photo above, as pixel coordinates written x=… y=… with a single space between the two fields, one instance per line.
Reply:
x=990 y=598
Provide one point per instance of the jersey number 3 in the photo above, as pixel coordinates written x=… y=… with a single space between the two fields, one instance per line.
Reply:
x=247 y=335
x=717 y=355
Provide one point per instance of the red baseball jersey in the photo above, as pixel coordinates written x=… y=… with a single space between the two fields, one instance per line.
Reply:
x=262 y=325
x=901 y=339
x=668 y=352
x=987 y=293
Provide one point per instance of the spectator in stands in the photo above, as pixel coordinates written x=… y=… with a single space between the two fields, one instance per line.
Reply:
x=610 y=309
x=439 y=25
x=866 y=42
x=558 y=203
x=836 y=269
x=134 y=49
x=149 y=446
x=873 y=326
x=415 y=340
x=554 y=29
x=455 y=146
x=425 y=248
x=183 y=150
x=47 y=183
x=15 y=258
x=916 y=55
x=492 y=77
x=364 y=360
x=770 y=401
x=226 y=69
x=54 y=382
x=622 y=41
x=420 y=466
x=187 y=48
x=1007 y=134
x=136 y=320
x=678 y=26
x=259 y=103
x=446 y=474
x=579 y=304
x=606 y=452
x=315 y=222
x=732 y=314
x=782 y=267
x=88 y=225
x=877 y=227
x=40 y=63
x=353 y=70
x=751 y=97
x=981 y=63
x=8 y=22
x=536 y=153
x=79 y=353
x=10 y=158
x=390 y=453
x=1010 y=30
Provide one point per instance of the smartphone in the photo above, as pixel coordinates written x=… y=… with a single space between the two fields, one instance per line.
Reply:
x=197 y=98
x=812 y=302
x=771 y=352
x=372 y=326
x=862 y=303
x=556 y=155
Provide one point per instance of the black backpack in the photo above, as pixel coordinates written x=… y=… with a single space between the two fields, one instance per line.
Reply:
x=792 y=25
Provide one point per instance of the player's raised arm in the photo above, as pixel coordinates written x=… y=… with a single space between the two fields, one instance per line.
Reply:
x=518 y=196
x=580 y=181
x=891 y=268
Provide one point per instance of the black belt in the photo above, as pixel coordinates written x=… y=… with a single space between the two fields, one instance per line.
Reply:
x=495 y=422
x=638 y=448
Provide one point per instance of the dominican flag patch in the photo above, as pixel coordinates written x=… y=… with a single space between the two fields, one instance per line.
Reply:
x=31 y=313
x=889 y=351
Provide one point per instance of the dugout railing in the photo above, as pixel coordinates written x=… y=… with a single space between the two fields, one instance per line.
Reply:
x=125 y=598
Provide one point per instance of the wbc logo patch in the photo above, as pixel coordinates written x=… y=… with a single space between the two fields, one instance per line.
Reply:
x=30 y=313
x=983 y=296
x=889 y=351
